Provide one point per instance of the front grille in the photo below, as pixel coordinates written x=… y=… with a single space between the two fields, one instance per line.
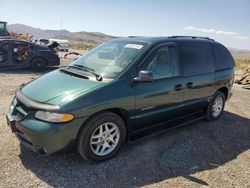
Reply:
x=20 y=111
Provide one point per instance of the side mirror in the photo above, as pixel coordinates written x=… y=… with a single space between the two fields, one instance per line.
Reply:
x=144 y=76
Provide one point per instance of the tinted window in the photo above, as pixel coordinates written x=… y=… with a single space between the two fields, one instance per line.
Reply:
x=197 y=58
x=163 y=63
x=223 y=58
x=3 y=54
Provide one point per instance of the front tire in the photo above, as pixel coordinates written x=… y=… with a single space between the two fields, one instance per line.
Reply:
x=101 y=137
x=216 y=106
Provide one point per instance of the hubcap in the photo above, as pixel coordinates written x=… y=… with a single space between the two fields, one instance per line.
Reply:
x=38 y=64
x=105 y=139
x=217 y=106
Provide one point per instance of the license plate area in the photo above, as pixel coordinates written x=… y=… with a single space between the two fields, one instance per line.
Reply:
x=11 y=123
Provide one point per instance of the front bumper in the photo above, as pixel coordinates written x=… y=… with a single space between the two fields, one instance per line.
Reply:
x=43 y=137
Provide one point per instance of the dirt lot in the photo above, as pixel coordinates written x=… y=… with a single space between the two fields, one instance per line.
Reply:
x=215 y=154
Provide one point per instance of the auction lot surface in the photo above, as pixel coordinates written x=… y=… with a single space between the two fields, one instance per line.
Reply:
x=215 y=154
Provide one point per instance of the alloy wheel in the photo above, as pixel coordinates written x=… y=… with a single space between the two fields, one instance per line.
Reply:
x=105 y=139
x=217 y=106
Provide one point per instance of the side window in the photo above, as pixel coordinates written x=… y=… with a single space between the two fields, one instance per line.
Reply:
x=162 y=63
x=223 y=58
x=3 y=54
x=197 y=58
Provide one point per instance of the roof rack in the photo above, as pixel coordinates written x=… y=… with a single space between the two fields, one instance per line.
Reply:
x=191 y=37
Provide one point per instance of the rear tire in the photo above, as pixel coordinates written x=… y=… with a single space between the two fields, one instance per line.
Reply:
x=216 y=106
x=101 y=137
x=38 y=64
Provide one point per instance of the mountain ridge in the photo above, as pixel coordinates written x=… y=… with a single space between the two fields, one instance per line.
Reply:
x=88 y=37
x=80 y=36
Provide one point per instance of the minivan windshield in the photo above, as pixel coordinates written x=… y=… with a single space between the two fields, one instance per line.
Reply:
x=111 y=58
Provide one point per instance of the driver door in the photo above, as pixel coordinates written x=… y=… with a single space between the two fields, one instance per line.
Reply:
x=160 y=100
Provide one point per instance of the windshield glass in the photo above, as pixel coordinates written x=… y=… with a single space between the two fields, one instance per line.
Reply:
x=111 y=58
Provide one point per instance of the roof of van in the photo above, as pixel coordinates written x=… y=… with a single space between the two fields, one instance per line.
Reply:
x=151 y=40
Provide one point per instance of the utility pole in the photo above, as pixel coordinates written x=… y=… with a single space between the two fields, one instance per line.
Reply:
x=61 y=29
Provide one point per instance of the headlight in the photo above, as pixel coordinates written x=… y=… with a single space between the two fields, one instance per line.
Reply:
x=53 y=117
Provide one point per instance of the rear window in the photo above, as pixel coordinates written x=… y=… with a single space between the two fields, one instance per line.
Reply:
x=197 y=58
x=223 y=58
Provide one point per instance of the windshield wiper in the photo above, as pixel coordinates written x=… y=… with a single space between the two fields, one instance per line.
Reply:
x=87 y=69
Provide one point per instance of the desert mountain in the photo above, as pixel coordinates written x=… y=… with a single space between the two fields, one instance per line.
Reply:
x=82 y=36
x=88 y=37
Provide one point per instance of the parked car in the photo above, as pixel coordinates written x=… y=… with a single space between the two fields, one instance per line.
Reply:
x=3 y=29
x=43 y=42
x=122 y=89
x=63 y=44
x=15 y=54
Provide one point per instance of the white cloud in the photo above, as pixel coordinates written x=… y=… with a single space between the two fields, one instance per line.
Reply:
x=189 y=28
x=241 y=37
x=230 y=33
x=218 y=32
x=204 y=30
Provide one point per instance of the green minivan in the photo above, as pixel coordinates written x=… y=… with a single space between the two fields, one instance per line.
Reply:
x=120 y=90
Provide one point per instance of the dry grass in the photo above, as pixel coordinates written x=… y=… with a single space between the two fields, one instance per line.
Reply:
x=242 y=64
x=82 y=46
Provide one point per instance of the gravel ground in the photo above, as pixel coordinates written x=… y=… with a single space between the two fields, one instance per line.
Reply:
x=215 y=154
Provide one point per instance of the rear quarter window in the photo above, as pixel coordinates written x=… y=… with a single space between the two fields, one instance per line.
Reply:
x=223 y=58
x=197 y=58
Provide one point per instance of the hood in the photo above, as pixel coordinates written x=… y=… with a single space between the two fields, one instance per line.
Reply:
x=57 y=87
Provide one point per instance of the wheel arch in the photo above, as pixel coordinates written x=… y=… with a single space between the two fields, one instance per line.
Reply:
x=224 y=90
x=38 y=57
x=123 y=114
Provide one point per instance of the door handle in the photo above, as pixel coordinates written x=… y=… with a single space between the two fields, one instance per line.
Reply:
x=189 y=84
x=178 y=87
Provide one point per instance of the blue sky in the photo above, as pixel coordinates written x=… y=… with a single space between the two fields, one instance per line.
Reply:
x=227 y=21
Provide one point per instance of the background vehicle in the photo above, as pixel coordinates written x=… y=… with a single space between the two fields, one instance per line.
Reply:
x=43 y=42
x=3 y=29
x=16 y=54
x=4 y=33
x=63 y=44
x=120 y=90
